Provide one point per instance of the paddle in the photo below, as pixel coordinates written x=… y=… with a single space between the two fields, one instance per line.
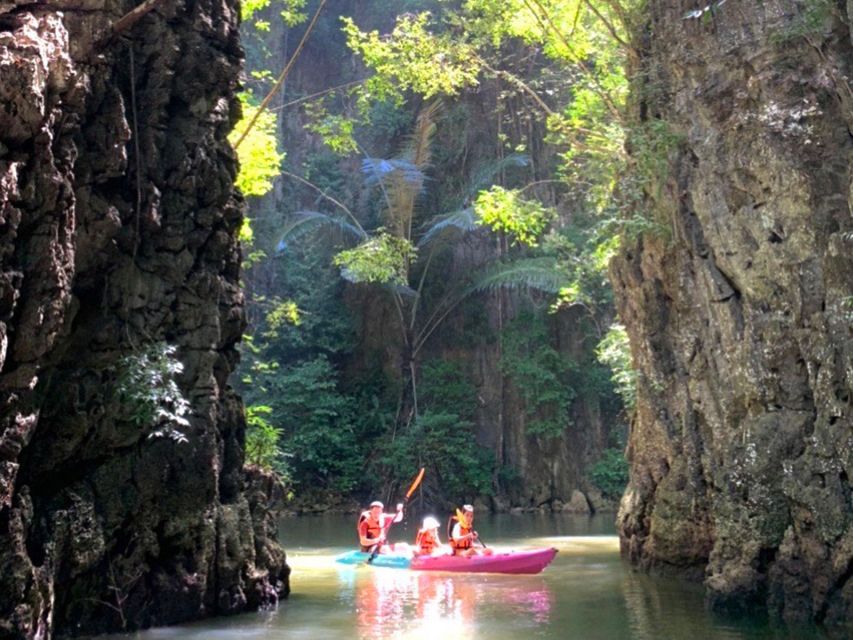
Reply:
x=409 y=493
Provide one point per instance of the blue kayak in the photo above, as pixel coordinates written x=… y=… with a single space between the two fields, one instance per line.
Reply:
x=381 y=560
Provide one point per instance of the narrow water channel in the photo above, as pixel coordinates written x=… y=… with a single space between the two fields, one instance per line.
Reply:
x=586 y=594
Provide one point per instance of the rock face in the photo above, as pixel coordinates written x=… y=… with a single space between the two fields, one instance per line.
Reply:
x=741 y=322
x=118 y=226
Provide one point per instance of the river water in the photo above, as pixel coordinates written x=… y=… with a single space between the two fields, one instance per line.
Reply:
x=587 y=593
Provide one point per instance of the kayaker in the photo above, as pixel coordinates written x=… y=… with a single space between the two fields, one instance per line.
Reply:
x=373 y=524
x=462 y=536
x=427 y=541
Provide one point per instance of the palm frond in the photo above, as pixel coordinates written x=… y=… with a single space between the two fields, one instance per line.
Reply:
x=402 y=178
x=485 y=174
x=463 y=220
x=541 y=274
x=303 y=222
x=420 y=143
x=378 y=170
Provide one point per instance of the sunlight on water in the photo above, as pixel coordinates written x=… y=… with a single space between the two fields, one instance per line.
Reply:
x=587 y=593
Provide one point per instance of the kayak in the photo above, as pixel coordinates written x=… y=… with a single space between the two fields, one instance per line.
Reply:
x=515 y=562
x=529 y=561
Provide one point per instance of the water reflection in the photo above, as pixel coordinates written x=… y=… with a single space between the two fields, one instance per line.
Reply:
x=666 y=608
x=404 y=604
x=586 y=594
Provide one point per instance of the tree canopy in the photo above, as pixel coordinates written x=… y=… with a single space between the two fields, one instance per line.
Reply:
x=552 y=186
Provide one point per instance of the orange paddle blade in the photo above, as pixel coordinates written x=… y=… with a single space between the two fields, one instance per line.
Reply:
x=415 y=483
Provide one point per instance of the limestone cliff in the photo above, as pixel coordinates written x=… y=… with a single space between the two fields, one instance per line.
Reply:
x=740 y=317
x=118 y=229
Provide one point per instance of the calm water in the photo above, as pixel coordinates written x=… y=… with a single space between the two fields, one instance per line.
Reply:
x=586 y=594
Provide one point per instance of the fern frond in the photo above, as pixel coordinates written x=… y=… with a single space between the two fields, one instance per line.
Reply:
x=541 y=274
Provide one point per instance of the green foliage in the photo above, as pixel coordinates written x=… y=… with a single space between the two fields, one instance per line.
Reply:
x=610 y=473
x=282 y=312
x=290 y=11
x=412 y=58
x=446 y=445
x=323 y=430
x=346 y=438
x=442 y=437
x=249 y=7
x=652 y=143
x=307 y=281
x=262 y=441
x=260 y=160
x=614 y=351
x=446 y=386
x=147 y=392
x=318 y=425
x=381 y=259
x=506 y=211
x=582 y=251
x=335 y=130
x=541 y=375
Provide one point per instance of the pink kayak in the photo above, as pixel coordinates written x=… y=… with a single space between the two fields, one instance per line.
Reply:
x=531 y=561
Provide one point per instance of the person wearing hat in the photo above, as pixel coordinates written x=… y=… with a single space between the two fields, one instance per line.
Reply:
x=427 y=542
x=373 y=525
x=462 y=535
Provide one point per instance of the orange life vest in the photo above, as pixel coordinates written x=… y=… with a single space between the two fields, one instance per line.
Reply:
x=369 y=528
x=425 y=541
x=461 y=545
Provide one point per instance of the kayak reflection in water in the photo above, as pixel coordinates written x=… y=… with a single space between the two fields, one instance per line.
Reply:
x=412 y=604
x=373 y=526
x=395 y=604
x=427 y=542
x=462 y=534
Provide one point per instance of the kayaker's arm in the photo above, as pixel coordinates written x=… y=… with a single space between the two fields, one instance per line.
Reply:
x=398 y=517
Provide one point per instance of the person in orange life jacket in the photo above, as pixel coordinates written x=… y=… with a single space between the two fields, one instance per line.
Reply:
x=373 y=525
x=427 y=542
x=462 y=536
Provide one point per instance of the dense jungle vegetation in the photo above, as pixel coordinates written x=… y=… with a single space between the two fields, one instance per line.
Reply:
x=428 y=184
